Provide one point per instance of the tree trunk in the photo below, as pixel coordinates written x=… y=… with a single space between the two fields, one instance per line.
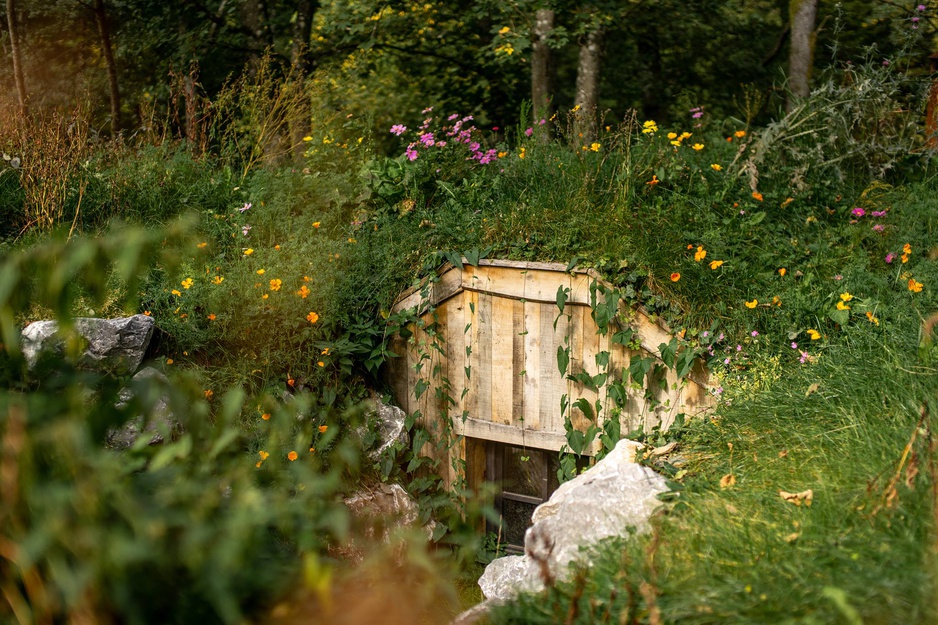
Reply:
x=302 y=29
x=105 y=32
x=18 y=78
x=587 y=85
x=801 y=56
x=541 y=67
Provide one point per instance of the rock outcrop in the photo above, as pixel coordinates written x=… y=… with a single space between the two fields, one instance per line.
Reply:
x=612 y=498
x=116 y=345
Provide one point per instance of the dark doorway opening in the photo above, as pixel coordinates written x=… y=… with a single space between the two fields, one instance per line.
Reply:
x=526 y=477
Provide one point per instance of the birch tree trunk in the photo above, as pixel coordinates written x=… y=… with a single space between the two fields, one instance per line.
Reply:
x=13 y=25
x=541 y=68
x=105 y=32
x=802 y=14
x=587 y=85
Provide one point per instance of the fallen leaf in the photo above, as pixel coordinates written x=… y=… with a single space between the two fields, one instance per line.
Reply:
x=812 y=389
x=783 y=453
x=727 y=480
x=804 y=497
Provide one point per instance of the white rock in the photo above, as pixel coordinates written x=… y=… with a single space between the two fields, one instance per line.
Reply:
x=110 y=344
x=611 y=498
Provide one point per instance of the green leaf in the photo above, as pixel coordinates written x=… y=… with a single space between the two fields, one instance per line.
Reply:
x=841 y=317
x=563 y=359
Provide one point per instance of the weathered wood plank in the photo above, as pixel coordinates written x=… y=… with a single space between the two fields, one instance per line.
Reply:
x=490 y=431
x=502 y=326
x=532 y=366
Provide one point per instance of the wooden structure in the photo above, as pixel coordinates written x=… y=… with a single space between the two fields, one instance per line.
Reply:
x=487 y=360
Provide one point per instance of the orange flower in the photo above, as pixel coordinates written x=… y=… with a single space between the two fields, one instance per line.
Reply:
x=316 y=224
x=147 y=313
x=312 y=450
x=169 y=361
x=208 y=393
x=218 y=279
x=312 y=317
x=700 y=254
x=782 y=272
x=293 y=456
x=290 y=381
x=325 y=352
x=266 y=416
x=321 y=363
x=716 y=264
x=306 y=278
x=915 y=287
x=323 y=428
x=275 y=284
x=277 y=247
x=740 y=134
x=211 y=317
x=871 y=318
x=265 y=296
x=757 y=195
x=202 y=245
x=303 y=292
x=675 y=277
x=654 y=180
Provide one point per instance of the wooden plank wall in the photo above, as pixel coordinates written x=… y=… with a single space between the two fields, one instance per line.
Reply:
x=492 y=341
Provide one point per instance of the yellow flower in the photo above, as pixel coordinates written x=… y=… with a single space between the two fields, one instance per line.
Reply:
x=265 y=296
x=306 y=278
x=906 y=249
x=504 y=30
x=740 y=134
x=577 y=108
x=776 y=300
x=672 y=135
x=248 y=251
x=521 y=153
x=323 y=428
x=316 y=224
x=202 y=245
x=292 y=456
x=698 y=146
x=814 y=334
x=676 y=143
x=686 y=135
x=218 y=279
x=260 y=272
x=502 y=154
x=782 y=272
x=648 y=127
x=351 y=240
x=675 y=277
x=842 y=306
x=700 y=254
x=752 y=304
x=871 y=318
x=716 y=264
x=176 y=293
x=716 y=167
x=846 y=296
x=187 y=283
x=915 y=287
x=169 y=361
x=595 y=146
x=312 y=317
x=277 y=247
x=325 y=352
x=321 y=363
x=275 y=284
x=307 y=138
x=303 y=292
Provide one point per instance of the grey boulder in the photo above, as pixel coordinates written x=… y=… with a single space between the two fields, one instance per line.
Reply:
x=114 y=345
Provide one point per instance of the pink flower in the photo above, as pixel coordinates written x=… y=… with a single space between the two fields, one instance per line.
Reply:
x=754 y=333
x=246 y=207
x=794 y=345
x=398 y=129
x=879 y=227
x=858 y=212
x=452 y=117
x=890 y=257
x=878 y=213
x=541 y=122
x=427 y=139
x=528 y=132
x=804 y=357
x=426 y=110
x=411 y=153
